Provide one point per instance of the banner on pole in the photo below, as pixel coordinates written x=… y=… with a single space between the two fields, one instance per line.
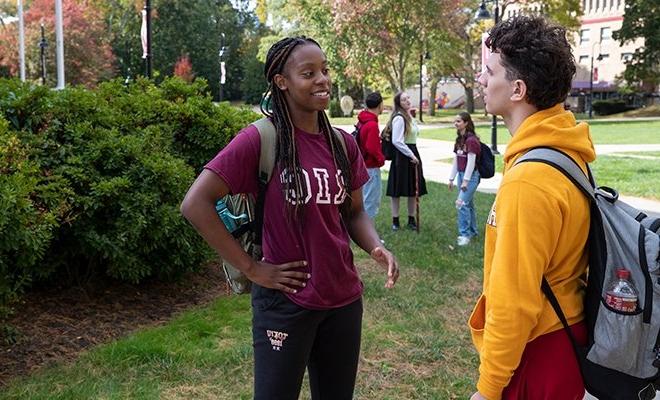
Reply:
x=143 y=34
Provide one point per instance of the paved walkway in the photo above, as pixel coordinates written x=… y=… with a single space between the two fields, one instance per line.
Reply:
x=433 y=152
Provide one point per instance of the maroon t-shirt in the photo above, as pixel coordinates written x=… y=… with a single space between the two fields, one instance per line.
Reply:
x=322 y=239
x=471 y=145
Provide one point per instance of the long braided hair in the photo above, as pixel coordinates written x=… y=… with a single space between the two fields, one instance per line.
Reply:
x=278 y=110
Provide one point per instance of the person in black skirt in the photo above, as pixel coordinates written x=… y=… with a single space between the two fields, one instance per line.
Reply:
x=401 y=180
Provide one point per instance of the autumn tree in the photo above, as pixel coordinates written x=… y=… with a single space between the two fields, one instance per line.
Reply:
x=183 y=69
x=88 y=56
x=641 y=21
x=462 y=58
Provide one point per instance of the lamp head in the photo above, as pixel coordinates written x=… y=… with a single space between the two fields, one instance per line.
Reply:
x=482 y=12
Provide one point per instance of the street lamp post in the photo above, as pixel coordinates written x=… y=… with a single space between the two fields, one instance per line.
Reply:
x=422 y=56
x=483 y=13
x=591 y=79
x=42 y=55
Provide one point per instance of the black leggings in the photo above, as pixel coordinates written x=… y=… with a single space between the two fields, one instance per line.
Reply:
x=287 y=338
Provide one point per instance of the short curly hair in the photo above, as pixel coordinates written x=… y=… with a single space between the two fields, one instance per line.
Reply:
x=538 y=53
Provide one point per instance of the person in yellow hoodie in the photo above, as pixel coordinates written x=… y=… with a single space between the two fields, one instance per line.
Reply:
x=538 y=225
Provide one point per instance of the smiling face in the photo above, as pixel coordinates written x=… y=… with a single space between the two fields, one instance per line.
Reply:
x=497 y=89
x=405 y=101
x=460 y=124
x=305 y=80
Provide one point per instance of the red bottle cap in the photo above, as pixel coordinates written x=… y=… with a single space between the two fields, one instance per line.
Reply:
x=622 y=273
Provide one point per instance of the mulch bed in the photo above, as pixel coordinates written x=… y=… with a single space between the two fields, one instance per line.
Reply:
x=57 y=324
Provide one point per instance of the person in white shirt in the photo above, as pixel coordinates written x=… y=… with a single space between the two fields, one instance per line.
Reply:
x=406 y=177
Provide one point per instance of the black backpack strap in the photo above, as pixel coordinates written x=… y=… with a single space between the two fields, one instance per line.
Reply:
x=547 y=291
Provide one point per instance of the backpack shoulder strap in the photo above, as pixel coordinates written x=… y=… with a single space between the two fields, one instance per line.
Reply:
x=565 y=164
x=342 y=140
x=268 y=138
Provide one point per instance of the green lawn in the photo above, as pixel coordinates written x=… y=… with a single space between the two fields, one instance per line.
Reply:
x=631 y=176
x=416 y=343
x=602 y=132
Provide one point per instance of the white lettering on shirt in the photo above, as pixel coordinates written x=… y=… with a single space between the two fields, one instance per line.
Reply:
x=323 y=196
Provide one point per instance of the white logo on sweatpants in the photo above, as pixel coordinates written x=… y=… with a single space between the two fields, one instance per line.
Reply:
x=276 y=339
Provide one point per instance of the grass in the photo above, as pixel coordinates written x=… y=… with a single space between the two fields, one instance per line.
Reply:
x=416 y=342
x=632 y=176
x=602 y=132
x=629 y=175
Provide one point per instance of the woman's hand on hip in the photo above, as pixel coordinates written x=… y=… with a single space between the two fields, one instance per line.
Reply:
x=280 y=277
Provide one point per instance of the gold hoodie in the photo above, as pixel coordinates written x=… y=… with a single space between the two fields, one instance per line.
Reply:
x=537 y=227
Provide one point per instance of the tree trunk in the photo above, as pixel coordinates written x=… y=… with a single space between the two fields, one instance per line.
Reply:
x=433 y=88
x=469 y=99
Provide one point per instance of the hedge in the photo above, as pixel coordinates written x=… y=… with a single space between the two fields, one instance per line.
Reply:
x=614 y=106
x=92 y=180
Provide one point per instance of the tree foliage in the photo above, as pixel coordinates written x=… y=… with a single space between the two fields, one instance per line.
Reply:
x=641 y=21
x=88 y=54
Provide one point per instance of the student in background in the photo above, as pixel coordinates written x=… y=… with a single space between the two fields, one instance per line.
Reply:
x=466 y=149
x=369 y=143
x=406 y=176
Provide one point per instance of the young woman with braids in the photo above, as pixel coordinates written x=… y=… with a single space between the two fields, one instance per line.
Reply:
x=306 y=293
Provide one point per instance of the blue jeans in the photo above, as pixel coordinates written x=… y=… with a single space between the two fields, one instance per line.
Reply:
x=467 y=217
x=371 y=192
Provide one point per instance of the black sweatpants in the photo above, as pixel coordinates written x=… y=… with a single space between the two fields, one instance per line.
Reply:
x=288 y=338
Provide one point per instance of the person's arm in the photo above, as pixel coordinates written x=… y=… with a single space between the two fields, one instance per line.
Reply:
x=469 y=168
x=452 y=174
x=528 y=227
x=398 y=134
x=198 y=207
x=362 y=231
x=372 y=144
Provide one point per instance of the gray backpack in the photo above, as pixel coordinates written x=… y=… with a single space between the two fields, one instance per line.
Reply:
x=622 y=356
x=242 y=213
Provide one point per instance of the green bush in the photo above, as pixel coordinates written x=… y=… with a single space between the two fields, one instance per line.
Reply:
x=607 y=107
x=30 y=209
x=92 y=180
x=335 y=109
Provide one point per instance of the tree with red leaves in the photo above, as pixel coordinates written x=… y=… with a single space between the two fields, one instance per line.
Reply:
x=88 y=56
x=183 y=68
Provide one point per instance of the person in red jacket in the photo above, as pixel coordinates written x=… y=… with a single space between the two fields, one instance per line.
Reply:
x=369 y=143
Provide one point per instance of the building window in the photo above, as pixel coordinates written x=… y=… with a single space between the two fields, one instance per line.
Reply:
x=584 y=60
x=603 y=57
x=584 y=35
x=605 y=34
x=626 y=57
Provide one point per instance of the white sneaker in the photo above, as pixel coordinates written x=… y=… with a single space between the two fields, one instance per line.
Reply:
x=463 y=241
